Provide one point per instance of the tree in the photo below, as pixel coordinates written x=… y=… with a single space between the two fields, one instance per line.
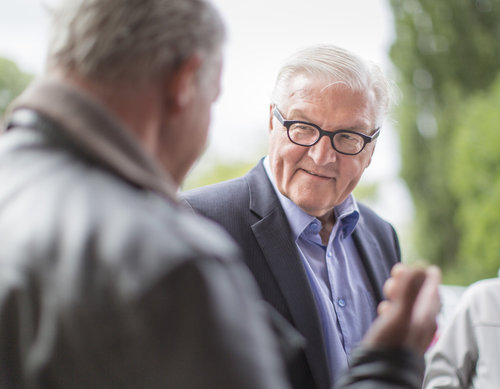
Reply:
x=475 y=182
x=444 y=52
x=12 y=82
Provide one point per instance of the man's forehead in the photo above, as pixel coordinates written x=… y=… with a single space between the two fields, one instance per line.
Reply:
x=323 y=92
x=302 y=85
x=307 y=86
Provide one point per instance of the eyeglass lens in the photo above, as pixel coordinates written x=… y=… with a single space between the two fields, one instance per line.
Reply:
x=344 y=142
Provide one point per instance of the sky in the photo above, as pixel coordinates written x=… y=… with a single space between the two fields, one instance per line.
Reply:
x=261 y=34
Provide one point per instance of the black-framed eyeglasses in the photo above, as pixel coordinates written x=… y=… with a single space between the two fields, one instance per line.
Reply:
x=308 y=134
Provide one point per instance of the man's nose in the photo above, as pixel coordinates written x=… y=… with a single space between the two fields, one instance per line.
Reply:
x=323 y=152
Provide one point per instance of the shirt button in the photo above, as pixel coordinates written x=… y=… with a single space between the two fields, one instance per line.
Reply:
x=314 y=227
x=329 y=254
x=341 y=302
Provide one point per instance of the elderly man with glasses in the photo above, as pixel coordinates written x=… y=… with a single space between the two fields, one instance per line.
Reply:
x=319 y=257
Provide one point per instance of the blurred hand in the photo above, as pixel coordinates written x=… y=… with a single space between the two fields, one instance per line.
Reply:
x=408 y=317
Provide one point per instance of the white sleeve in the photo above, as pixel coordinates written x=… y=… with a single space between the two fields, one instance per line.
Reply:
x=451 y=362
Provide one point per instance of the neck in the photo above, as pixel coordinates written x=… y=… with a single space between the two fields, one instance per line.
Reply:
x=327 y=222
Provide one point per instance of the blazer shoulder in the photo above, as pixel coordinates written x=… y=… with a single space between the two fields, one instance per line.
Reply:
x=380 y=230
x=371 y=218
x=227 y=194
x=250 y=191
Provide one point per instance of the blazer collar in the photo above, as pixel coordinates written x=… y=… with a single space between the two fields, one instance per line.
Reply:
x=274 y=236
x=263 y=199
x=371 y=255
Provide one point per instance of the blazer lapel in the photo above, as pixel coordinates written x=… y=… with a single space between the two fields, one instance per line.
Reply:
x=372 y=258
x=273 y=234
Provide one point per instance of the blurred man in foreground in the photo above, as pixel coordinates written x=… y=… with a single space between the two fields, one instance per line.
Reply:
x=105 y=281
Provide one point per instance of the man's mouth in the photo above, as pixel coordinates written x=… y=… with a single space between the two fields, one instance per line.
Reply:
x=317 y=175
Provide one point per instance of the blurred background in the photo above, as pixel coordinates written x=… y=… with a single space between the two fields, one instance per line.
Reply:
x=435 y=173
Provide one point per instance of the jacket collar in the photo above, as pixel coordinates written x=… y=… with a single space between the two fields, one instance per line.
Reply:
x=263 y=199
x=273 y=234
x=89 y=126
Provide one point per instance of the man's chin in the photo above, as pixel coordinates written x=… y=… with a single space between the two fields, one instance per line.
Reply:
x=313 y=209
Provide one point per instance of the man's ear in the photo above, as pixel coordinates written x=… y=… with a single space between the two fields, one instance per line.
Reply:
x=271 y=116
x=182 y=85
x=371 y=156
x=369 y=161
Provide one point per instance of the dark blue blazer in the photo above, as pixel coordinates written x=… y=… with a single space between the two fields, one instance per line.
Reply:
x=248 y=208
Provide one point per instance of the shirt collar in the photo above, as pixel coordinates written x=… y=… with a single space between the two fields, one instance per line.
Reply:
x=347 y=213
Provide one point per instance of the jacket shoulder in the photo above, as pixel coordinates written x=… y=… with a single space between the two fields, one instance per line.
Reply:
x=227 y=196
x=374 y=222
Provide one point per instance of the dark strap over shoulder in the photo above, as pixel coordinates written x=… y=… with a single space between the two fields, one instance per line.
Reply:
x=27 y=118
x=30 y=119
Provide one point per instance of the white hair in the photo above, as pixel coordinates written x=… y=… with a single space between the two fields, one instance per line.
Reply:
x=131 y=40
x=335 y=65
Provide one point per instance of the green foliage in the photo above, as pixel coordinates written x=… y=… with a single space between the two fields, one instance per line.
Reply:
x=12 y=82
x=475 y=181
x=444 y=52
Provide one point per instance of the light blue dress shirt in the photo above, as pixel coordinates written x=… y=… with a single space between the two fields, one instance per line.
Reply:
x=341 y=287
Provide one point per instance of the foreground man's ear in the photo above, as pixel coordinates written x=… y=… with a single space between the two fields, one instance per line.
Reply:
x=182 y=85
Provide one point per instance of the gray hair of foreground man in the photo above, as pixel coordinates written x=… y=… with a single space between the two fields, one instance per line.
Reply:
x=131 y=41
x=335 y=65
